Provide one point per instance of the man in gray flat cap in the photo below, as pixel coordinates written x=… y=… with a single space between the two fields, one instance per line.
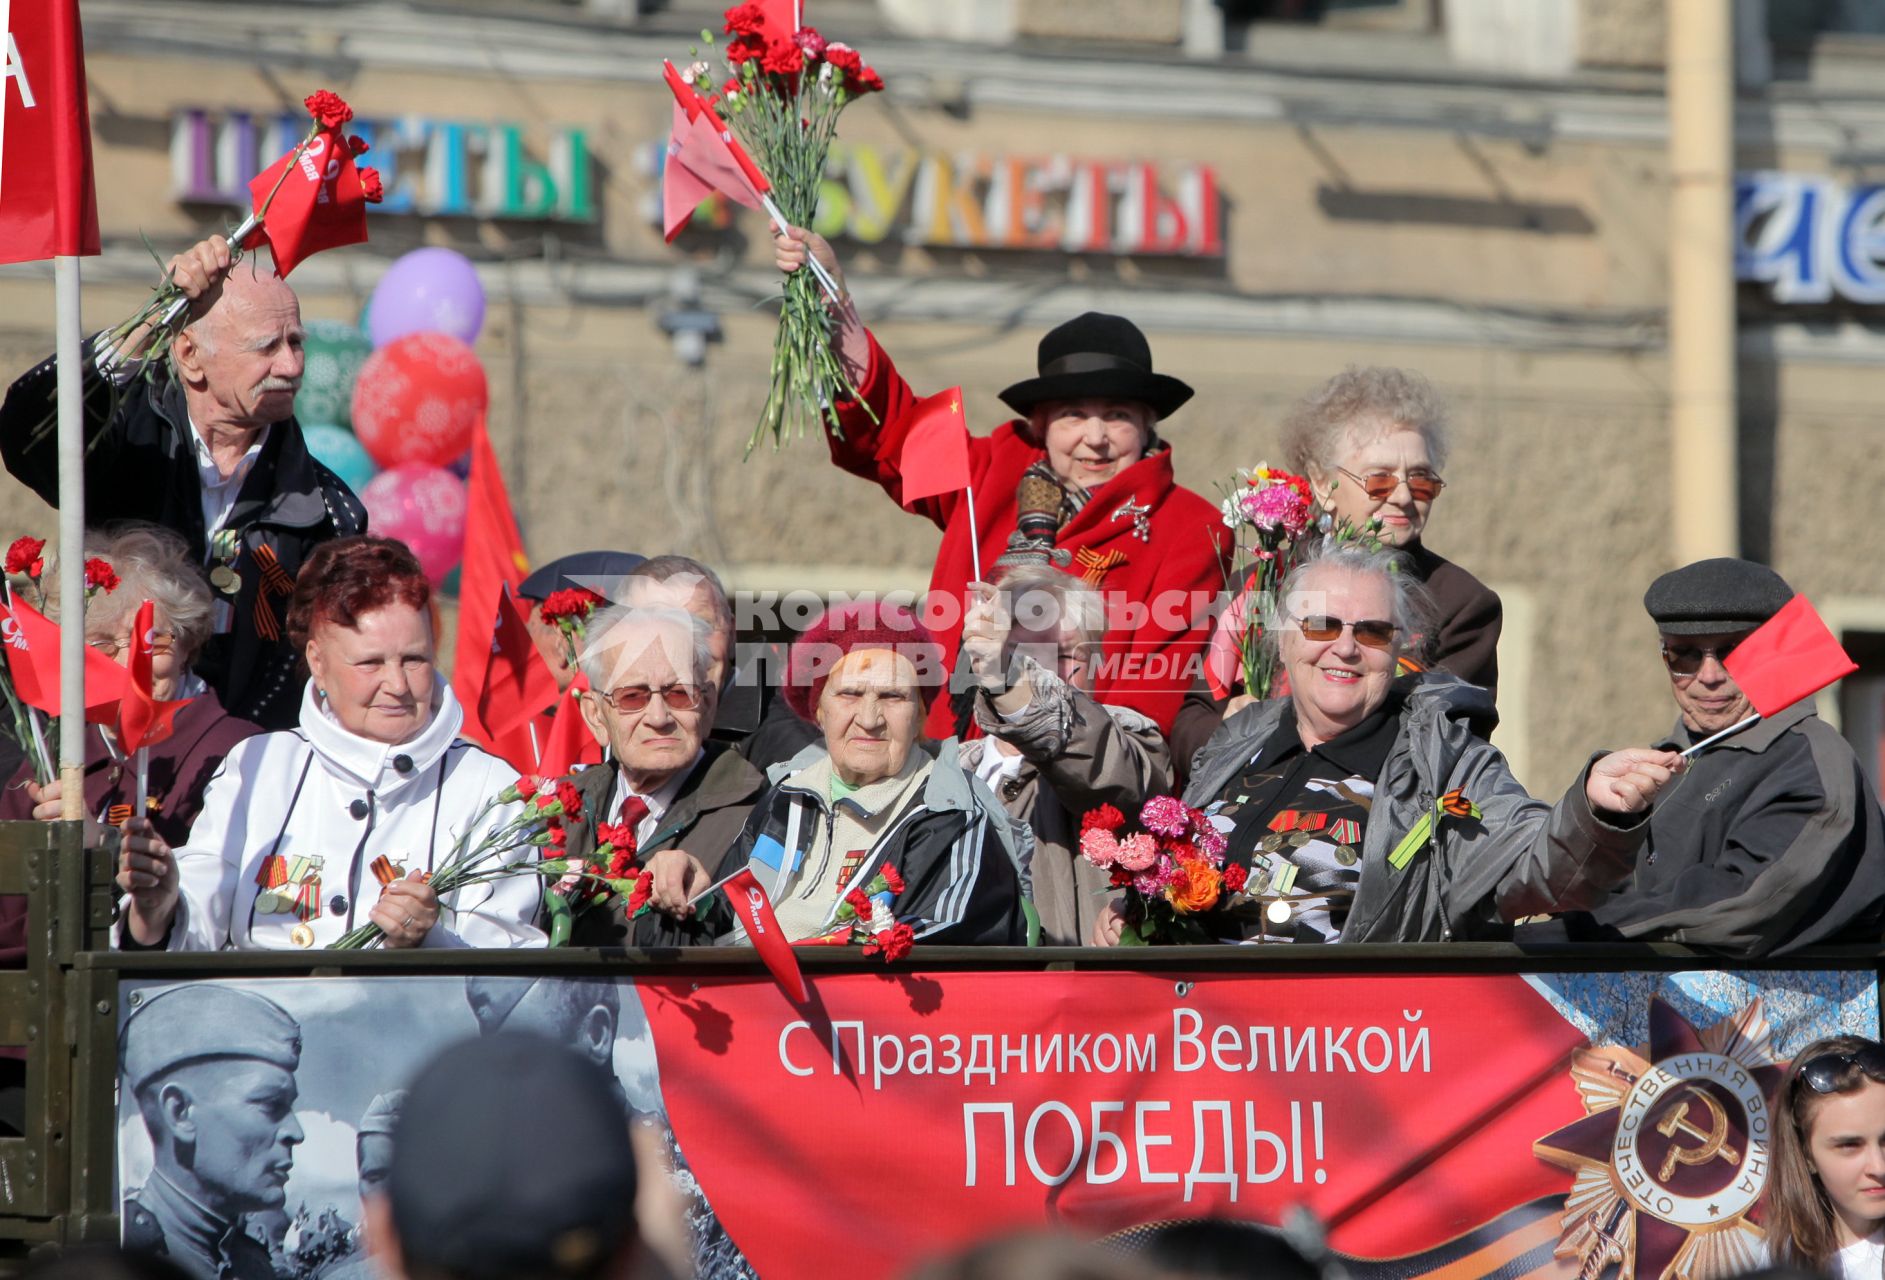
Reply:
x=1773 y=839
x=212 y=1070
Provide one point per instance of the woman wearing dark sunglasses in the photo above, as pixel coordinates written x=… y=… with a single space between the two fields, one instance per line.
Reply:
x=1826 y=1203
x=1373 y=443
x=1365 y=809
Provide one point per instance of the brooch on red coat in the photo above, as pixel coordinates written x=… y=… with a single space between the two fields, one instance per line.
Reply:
x=1139 y=514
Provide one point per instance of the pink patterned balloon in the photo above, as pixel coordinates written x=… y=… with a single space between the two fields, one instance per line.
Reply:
x=423 y=507
x=418 y=399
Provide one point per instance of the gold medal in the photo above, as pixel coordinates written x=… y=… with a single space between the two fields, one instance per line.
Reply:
x=225 y=579
x=301 y=935
x=1344 y=855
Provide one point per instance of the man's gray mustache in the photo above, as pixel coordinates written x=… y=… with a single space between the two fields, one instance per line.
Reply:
x=279 y=384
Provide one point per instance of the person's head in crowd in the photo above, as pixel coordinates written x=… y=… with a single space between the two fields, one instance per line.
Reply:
x=476 y=1193
x=1027 y=1255
x=1220 y=1249
x=579 y=1013
x=373 y=1140
x=1372 y=442
x=240 y=360
x=865 y=674
x=1339 y=623
x=1828 y=1183
x=212 y=1070
x=361 y=617
x=152 y=564
x=1059 y=621
x=680 y=582
x=596 y=571
x=1095 y=403
x=1702 y=611
x=648 y=700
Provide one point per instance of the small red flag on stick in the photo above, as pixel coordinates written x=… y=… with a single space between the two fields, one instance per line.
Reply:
x=1791 y=656
x=143 y=719
x=32 y=649
x=754 y=912
x=935 y=459
x=518 y=684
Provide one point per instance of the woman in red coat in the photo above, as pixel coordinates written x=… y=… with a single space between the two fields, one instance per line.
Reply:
x=1080 y=480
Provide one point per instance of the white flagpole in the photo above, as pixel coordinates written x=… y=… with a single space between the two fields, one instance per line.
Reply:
x=71 y=440
x=975 y=547
x=536 y=750
x=1713 y=738
x=143 y=783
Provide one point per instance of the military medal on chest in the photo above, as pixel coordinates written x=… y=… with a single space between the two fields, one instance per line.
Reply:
x=224 y=547
x=289 y=885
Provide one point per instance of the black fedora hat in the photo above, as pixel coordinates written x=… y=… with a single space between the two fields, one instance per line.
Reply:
x=1097 y=355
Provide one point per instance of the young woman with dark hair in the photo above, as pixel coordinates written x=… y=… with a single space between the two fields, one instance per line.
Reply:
x=1826 y=1203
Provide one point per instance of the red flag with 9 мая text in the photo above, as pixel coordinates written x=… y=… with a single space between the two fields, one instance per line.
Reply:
x=48 y=205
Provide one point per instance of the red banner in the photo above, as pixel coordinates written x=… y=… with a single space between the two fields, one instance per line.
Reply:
x=47 y=204
x=1437 y=1121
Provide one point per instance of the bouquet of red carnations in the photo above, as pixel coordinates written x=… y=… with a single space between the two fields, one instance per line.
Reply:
x=785 y=89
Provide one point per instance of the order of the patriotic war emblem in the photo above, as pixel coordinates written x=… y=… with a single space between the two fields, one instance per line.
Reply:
x=1672 y=1152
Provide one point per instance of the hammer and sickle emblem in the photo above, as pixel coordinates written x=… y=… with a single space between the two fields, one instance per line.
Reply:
x=1714 y=1141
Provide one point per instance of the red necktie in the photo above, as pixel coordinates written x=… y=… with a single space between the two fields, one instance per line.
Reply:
x=634 y=809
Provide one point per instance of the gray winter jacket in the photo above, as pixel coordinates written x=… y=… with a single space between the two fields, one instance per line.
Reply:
x=1522 y=857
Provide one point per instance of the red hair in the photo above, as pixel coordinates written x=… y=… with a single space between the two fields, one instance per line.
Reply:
x=352 y=576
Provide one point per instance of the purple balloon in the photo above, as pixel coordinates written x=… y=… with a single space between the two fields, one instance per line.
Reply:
x=427 y=291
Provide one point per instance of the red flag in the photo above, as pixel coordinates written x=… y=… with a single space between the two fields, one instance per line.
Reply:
x=32 y=647
x=143 y=720
x=705 y=145
x=493 y=560
x=320 y=204
x=754 y=911
x=48 y=206
x=569 y=742
x=936 y=448
x=518 y=684
x=1789 y=657
x=681 y=190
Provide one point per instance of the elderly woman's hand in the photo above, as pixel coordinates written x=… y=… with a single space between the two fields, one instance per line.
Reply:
x=147 y=870
x=1110 y=925
x=1627 y=781
x=49 y=806
x=678 y=878
x=985 y=628
x=791 y=246
x=406 y=911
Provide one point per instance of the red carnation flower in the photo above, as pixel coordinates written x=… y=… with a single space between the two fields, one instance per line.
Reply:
x=329 y=108
x=638 y=897
x=893 y=943
x=26 y=556
x=868 y=81
x=559 y=835
x=100 y=576
x=744 y=51
x=621 y=864
x=370 y=184
x=745 y=19
x=893 y=878
x=1120 y=878
x=783 y=60
x=614 y=833
x=571 y=604
x=358 y=145
x=1105 y=818
x=527 y=786
x=1235 y=876
x=809 y=41
x=860 y=903
x=844 y=58
x=572 y=799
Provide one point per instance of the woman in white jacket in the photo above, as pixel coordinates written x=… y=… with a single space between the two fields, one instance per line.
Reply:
x=309 y=832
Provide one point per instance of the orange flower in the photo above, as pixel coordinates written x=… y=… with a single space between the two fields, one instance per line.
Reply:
x=1197 y=887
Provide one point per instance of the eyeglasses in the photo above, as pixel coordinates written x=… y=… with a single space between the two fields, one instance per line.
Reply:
x=1687 y=659
x=1373 y=634
x=631 y=699
x=1425 y=486
x=1832 y=1072
x=162 y=642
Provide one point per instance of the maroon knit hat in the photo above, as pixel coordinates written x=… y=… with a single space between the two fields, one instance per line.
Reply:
x=863 y=625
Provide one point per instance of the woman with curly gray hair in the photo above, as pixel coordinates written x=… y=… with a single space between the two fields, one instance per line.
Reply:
x=152 y=564
x=1373 y=443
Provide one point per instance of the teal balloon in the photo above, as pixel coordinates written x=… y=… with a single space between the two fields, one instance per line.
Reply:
x=344 y=455
x=334 y=352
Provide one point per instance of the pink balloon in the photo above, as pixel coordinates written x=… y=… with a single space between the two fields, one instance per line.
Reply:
x=423 y=507
x=418 y=399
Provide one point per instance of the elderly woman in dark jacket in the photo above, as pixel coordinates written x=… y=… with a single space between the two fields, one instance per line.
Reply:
x=1365 y=810
x=1373 y=443
x=869 y=798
